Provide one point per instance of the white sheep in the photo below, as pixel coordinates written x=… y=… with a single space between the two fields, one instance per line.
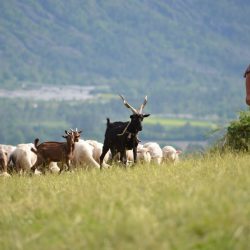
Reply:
x=155 y=152
x=170 y=154
x=143 y=155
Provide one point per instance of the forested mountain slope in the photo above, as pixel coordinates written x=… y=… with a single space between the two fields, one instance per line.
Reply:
x=188 y=56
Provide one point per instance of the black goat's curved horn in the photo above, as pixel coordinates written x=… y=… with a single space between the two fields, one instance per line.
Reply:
x=143 y=105
x=128 y=105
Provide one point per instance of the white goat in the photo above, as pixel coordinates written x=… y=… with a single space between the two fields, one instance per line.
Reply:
x=3 y=163
x=23 y=159
x=155 y=152
x=97 y=151
x=54 y=167
x=170 y=154
x=83 y=155
x=7 y=148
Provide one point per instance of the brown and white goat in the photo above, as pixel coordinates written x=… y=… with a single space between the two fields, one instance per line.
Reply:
x=48 y=152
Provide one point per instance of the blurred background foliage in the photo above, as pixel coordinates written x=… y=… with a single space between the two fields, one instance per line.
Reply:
x=187 y=56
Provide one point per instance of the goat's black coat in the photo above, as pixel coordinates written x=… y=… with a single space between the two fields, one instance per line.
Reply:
x=122 y=136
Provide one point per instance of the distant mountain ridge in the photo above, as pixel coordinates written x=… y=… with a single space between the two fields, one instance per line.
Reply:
x=188 y=56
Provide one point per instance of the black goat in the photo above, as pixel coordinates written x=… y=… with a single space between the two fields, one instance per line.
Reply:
x=122 y=136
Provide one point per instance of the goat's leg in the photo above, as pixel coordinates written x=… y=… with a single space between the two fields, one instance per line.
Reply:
x=135 y=154
x=42 y=168
x=68 y=165
x=33 y=168
x=2 y=165
x=38 y=163
x=123 y=157
x=17 y=167
x=5 y=167
x=44 y=165
x=115 y=156
x=61 y=167
x=10 y=165
x=105 y=149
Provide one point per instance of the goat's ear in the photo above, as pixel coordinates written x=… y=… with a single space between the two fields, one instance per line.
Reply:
x=146 y=115
x=80 y=131
x=64 y=136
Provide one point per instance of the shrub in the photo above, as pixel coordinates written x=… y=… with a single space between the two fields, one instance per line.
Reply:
x=237 y=137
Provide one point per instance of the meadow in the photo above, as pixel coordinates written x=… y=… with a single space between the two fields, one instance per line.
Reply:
x=200 y=203
x=178 y=122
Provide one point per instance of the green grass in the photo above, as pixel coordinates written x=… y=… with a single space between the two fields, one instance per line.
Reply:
x=51 y=124
x=201 y=203
x=171 y=122
x=106 y=97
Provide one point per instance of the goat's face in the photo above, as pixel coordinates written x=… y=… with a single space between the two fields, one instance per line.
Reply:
x=136 y=120
x=75 y=134
x=69 y=138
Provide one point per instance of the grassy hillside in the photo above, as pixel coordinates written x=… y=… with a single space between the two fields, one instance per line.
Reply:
x=23 y=121
x=177 y=122
x=201 y=203
x=189 y=56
